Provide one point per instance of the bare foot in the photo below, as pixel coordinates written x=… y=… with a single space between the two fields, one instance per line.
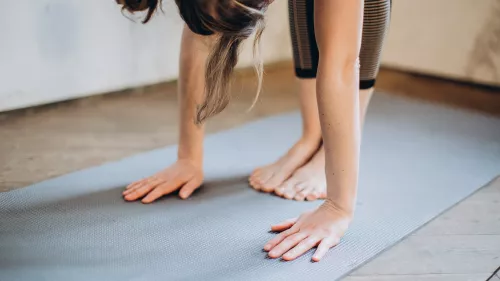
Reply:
x=307 y=182
x=268 y=178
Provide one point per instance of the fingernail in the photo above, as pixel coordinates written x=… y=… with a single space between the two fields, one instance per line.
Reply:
x=267 y=247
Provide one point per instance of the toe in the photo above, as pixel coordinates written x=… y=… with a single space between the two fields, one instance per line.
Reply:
x=253 y=184
x=289 y=194
x=320 y=191
x=322 y=195
x=273 y=182
x=267 y=183
x=255 y=174
x=269 y=186
x=279 y=190
x=258 y=178
x=262 y=178
x=313 y=195
x=299 y=196
x=301 y=185
x=302 y=193
x=289 y=191
x=256 y=185
x=285 y=187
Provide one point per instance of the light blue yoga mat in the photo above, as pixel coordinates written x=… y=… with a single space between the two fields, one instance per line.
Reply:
x=417 y=161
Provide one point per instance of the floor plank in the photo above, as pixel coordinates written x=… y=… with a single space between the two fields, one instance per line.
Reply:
x=464 y=240
x=478 y=215
x=438 y=254
x=420 y=277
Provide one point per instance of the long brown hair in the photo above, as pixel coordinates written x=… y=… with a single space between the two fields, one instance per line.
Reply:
x=232 y=21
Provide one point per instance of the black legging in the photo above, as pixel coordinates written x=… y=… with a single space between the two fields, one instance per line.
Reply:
x=305 y=51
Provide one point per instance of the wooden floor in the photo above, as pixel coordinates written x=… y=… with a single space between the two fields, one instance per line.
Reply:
x=48 y=141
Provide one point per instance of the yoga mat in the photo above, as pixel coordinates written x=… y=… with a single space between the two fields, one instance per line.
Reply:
x=417 y=161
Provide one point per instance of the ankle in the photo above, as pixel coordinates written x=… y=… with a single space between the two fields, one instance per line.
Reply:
x=310 y=139
x=306 y=146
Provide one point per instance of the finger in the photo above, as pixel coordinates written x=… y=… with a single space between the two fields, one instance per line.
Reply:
x=131 y=187
x=288 y=243
x=280 y=237
x=301 y=248
x=323 y=247
x=301 y=195
x=134 y=184
x=283 y=225
x=142 y=190
x=141 y=183
x=162 y=189
x=128 y=191
x=188 y=189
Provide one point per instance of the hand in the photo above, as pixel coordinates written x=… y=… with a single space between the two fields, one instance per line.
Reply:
x=322 y=228
x=184 y=174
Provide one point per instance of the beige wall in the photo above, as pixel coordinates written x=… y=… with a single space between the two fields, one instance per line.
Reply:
x=451 y=38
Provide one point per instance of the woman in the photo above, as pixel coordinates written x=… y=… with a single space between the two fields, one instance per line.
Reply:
x=327 y=38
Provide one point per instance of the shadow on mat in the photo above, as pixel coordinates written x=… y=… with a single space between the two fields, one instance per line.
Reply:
x=110 y=201
x=72 y=226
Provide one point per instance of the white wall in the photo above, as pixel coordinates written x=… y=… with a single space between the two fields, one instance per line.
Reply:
x=54 y=50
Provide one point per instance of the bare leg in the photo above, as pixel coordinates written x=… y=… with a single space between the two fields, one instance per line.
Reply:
x=309 y=181
x=365 y=96
x=269 y=177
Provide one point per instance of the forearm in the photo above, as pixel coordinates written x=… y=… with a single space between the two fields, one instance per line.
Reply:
x=338 y=106
x=194 y=52
x=338 y=34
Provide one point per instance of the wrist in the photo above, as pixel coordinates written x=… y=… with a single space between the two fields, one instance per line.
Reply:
x=191 y=162
x=338 y=209
x=191 y=156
